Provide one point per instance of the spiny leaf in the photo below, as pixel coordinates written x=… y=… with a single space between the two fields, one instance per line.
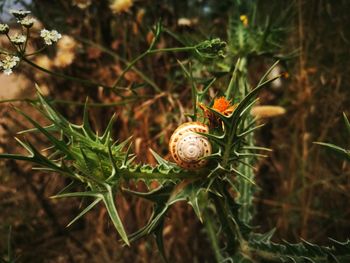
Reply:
x=300 y=252
x=108 y=200
x=86 y=124
x=265 y=237
x=87 y=209
x=161 y=160
x=59 y=144
x=340 y=151
x=248 y=131
x=78 y=194
x=347 y=123
x=51 y=113
x=158 y=232
x=242 y=175
x=158 y=195
x=155 y=220
x=106 y=135
x=267 y=73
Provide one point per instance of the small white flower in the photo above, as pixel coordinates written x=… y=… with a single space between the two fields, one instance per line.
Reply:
x=27 y=22
x=8 y=71
x=50 y=36
x=8 y=63
x=18 y=39
x=20 y=14
x=4 y=29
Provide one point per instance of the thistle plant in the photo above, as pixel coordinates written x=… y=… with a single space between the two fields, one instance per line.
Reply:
x=101 y=165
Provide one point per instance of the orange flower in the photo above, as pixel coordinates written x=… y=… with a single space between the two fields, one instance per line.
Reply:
x=221 y=104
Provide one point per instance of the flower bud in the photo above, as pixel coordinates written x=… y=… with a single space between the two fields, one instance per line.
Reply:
x=4 y=29
x=27 y=22
x=211 y=48
x=18 y=39
x=19 y=14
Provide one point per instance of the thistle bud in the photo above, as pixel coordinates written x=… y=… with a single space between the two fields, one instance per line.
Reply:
x=211 y=48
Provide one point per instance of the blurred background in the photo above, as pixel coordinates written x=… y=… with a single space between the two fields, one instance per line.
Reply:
x=304 y=190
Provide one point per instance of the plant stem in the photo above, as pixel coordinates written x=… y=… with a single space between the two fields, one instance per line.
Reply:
x=223 y=206
x=125 y=173
x=116 y=57
x=79 y=80
x=234 y=89
x=230 y=89
x=245 y=187
x=213 y=238
x=194 y=95
x=146 y=53
x=75 y=103
x=5 y=52
x=36 y=52
x=9 y=39
x=26 y=42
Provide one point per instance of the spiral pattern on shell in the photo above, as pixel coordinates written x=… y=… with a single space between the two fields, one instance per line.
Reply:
x=187 y=147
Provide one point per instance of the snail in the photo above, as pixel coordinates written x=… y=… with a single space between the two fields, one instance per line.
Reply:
x=187 y=147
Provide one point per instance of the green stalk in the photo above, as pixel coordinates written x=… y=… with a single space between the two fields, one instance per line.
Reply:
x=232 y=88
x=117 y=57
x=244 y=186
x=213 y=238
x=75 y=79
x=127 y=174
x=236 y=91
x=237 y=86
x=146 y=53
x=35 y=52
x=227 y=225
x=77 y=103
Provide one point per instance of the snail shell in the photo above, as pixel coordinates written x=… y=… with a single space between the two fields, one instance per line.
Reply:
x=187 y=147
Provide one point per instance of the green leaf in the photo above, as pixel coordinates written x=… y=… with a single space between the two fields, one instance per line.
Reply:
x=155 y=220
x=160 y=160
x=265 y=237
x=263 y=248
x=336 y=149
x=78 y=194
x=108 y=200
x=86 y=124
x=87 y=209
x=106 y=135
x=242 y=175
x=158 y=195
x=59 y=144
x=347 y=123
x=158 y=232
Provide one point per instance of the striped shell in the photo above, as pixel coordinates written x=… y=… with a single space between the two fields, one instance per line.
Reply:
x=187 y=147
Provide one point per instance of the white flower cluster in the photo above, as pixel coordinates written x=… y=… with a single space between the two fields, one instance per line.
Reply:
x=8 y=63
x=18 y=39
x=19 y=14
x=27 y=22
x=4 y=28
x=22 y=17
x=50 y=36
